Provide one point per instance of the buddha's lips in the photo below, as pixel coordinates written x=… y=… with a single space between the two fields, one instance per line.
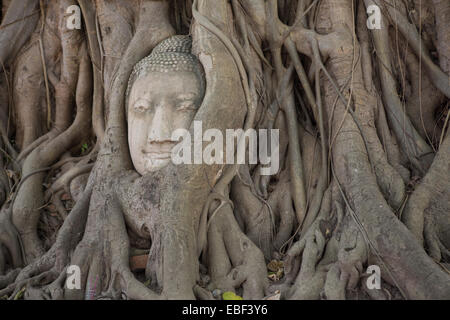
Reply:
x=158 y=156
x=159 y=151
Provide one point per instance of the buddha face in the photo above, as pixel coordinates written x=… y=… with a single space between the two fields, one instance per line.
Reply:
x=159 y=103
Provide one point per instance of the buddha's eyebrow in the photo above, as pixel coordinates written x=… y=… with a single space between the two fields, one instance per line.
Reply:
x=142 y=101
x=186 y=96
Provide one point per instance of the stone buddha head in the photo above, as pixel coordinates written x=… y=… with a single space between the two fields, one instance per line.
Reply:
x=164 y=93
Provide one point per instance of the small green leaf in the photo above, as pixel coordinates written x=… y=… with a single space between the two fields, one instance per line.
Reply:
x=231 y=296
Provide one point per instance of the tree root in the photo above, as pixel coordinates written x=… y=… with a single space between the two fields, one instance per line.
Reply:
x=25 y=209
x=281 y=203
x=9 y=278
x=255 y=212
x=345 y=273
x=425 y=204
x=10 y=239
x=54 y=261
x=233 y=259
x=308 y=282
x=310 y=279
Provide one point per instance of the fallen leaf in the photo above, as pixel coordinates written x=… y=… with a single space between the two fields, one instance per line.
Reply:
x=229 y=295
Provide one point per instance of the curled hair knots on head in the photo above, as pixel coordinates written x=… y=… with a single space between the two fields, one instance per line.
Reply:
x=170 y=55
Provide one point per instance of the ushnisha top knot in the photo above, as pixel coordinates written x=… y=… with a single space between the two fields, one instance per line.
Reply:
x=180 y=44
x=170 y=55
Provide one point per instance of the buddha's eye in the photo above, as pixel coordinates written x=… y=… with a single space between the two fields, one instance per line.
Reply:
x=140 y=108
x=186 y=106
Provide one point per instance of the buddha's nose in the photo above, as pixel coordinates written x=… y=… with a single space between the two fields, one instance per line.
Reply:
x=161 y=125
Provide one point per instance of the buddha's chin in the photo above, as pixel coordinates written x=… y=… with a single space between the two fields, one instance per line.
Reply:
x=152 y=164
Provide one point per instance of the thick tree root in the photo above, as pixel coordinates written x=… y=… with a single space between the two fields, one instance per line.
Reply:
x=254 y=211
x=8 y=278
x=311 y=277
x=306 y=260
x=346 y=272
x=233 y=259
x=54 y=261
x=103 y=254
x=10 y=240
